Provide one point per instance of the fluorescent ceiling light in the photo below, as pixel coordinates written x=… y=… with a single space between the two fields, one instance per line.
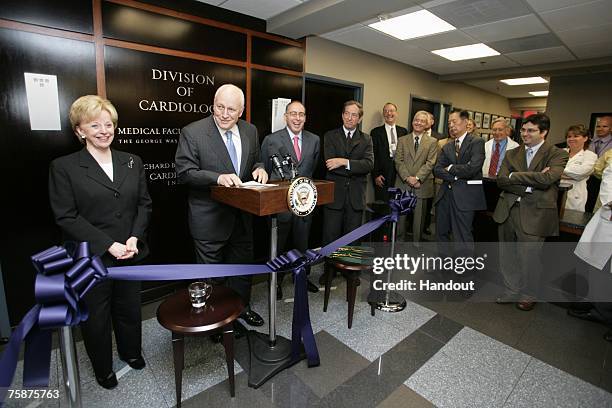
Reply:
x=413 y=25
x=466 y=52
x=524 y=81
x=539 y=93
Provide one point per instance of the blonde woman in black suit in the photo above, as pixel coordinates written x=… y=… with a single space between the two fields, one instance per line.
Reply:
x=100 y=195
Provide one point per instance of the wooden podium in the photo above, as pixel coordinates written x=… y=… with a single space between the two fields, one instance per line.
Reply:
x=269 y=354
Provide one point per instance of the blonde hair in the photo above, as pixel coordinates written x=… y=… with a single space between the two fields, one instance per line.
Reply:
x=87 y=108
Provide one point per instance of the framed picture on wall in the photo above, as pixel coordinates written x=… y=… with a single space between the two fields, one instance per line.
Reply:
x=493 y=117
x=486 y=120
x=513 y=123
x=478 y=118
x=593 y=121
x=471 y=114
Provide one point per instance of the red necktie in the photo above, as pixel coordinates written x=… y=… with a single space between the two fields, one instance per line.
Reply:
x=494 y=161
x=296 y=147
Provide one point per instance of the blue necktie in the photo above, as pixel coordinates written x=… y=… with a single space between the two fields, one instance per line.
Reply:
x=231 y=149
x=529 y=156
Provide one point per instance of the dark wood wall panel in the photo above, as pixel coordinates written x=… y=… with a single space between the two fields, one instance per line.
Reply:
x=71 y=15
x=275 y=54
x=265 y=86
x=143 y=27
x=27 y=224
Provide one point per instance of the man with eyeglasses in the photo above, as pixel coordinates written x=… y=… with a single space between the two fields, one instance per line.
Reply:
x=385 y=139
x=349 y=158
x=221 y=149
x=303 y=146
x=527 y=210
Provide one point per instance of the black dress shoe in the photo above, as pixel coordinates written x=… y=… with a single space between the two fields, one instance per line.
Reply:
x=590 y=315
x=279 y=292
x=608 y=335
x=312 y=288
x=136 y=363
x=109 y=382
x=252 y=318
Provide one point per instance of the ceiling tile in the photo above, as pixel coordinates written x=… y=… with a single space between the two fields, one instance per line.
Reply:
x=533 y=42
x=547 y=5
x=481 y=64
x=586 y=35
x=542 y=56
x=581 y=16
x=444 y=68
x=507 y=29
x=263 y=9
x=445 y=40
x=593 y=50
x=468 y=13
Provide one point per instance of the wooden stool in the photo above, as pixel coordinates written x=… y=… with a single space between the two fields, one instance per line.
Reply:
x=351 y=274
x=177 y=315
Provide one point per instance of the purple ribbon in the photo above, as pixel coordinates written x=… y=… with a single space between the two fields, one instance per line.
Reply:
x=66 y=274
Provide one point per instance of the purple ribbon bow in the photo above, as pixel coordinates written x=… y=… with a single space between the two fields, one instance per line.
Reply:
x=301 y=327
x=64 y=276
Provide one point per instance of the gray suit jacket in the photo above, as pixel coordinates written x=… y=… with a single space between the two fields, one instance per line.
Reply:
x=280 y=143
x=419 y=163
x=538 y=210
x=201 y=156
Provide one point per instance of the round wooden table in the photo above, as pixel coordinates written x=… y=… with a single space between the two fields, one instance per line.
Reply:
x=177 y=315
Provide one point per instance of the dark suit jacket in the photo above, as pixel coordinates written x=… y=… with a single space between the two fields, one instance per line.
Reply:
x=201 y=156
x=88 y=206
x=279 y=142
x=383 y=164
x=538 y=210
x=361 y=159
x=467 y=167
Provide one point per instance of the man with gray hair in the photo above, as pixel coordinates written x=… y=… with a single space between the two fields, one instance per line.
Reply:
x=497 y=146
x=223 y=150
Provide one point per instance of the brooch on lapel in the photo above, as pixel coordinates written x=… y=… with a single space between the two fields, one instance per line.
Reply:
x=131 y=162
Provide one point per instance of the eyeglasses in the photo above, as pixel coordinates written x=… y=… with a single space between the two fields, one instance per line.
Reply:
x=350 y=115
x=531 y=131
x=223 y=109
x=294 y=114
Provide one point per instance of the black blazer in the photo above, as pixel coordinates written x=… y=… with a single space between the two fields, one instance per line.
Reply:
x=201 y=156
x=361 y=159
x=88 y=206
x=461 y=181
x=383 y=164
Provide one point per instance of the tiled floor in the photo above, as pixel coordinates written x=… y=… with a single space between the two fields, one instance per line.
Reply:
x=431 y=354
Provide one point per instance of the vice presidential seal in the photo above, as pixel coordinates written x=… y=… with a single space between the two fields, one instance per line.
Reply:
x=302 y=196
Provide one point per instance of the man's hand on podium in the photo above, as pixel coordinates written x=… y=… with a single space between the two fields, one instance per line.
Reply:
x=229 y=180
x=260 y=175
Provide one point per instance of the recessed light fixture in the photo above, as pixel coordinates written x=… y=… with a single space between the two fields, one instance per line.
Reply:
x=524 y=81
x=466 y=52
x=413 y=25
x=539 y=93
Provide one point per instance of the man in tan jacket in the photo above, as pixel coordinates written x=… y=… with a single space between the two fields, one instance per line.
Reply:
x=414 y=160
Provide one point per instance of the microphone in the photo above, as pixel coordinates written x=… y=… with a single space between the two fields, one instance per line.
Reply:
x=278 y=165
x=288 y=160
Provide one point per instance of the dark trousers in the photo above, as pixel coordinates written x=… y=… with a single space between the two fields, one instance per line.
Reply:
x=238 y=249
x=293 y=233
x=340 y=222
x=450 y=219
x=117 y=302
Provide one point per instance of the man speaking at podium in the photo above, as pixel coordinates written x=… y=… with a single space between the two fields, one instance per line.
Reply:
x=303 y=147
x=221 y=150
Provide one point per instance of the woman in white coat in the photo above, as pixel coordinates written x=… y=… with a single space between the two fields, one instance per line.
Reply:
x=579 y=167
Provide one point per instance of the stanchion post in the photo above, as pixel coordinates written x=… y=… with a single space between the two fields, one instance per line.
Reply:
x=70 y=367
